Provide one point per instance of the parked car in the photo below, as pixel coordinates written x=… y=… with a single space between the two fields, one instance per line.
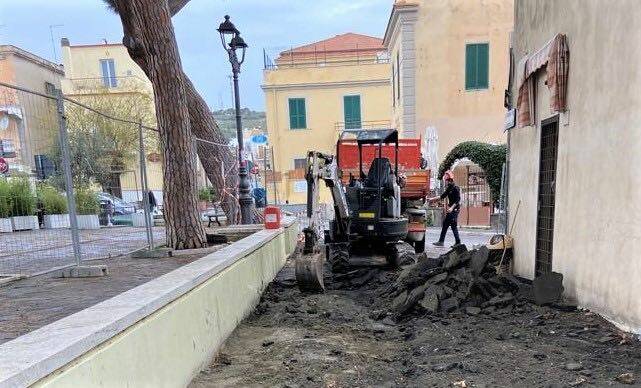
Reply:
x=119 y=206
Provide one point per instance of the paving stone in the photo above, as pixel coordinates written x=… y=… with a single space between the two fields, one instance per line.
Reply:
x=478 y=260
x=430 y=302
x=548 y=288
x=449 y=304
x=573 y=366
x=473 y=310
x=626 y=378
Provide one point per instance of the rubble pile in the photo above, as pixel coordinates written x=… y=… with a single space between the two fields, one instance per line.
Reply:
x=460 y=279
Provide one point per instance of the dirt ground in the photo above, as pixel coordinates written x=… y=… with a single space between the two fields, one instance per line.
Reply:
x=340 y=339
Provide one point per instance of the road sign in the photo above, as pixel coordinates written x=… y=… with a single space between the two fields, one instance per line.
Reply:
x=4 y=166
x=259 y=139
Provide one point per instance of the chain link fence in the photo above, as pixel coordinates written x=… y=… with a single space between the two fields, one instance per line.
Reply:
x=77 y=183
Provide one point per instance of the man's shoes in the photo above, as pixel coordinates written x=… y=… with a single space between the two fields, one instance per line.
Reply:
x=438 y=243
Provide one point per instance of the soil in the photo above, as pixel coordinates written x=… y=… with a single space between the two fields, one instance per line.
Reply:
x=342 y=338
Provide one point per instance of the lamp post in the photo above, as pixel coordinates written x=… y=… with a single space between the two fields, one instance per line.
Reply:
x=231 y=41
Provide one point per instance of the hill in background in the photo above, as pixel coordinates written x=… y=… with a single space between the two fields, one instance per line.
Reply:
x=226 y=119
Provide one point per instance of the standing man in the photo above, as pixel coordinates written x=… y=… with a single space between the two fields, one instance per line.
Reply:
x=453 y=195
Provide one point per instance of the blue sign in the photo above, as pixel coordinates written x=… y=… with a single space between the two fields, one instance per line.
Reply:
x=259 y=139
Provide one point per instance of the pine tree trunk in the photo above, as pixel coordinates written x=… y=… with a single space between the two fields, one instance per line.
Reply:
x=158 y=47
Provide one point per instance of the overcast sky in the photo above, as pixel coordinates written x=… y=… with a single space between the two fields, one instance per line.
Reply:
x=264 y=24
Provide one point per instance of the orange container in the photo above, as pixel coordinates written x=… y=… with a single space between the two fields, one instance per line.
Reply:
x=272 y=217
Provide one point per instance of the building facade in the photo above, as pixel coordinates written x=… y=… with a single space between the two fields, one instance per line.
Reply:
x=449 y=69
x=572 y=165
x=27 y=120
x=105 y=77
x=312 y=93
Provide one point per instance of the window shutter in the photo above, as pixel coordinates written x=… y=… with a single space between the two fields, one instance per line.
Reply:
x=470 y=66
x=297 y=119
x=302 y=115
x=483 y=66
x=352 y=111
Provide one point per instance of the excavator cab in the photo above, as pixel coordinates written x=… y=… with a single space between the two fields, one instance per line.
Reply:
x=374 y=199
x=368 y=222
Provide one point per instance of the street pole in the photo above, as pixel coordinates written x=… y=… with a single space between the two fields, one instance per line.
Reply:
x=227 y=29
x=244 y=197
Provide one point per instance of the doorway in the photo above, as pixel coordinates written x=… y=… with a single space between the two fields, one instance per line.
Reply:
x=547 y=194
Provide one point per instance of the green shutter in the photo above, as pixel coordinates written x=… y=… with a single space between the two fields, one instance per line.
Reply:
x=470 y=66
x=476 y=66
x=297 y=116
x=352 y=111
x=482 y=66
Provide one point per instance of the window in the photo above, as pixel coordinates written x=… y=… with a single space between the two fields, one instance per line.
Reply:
x=352 y=111
x=300 y=163
x=108 y=69
x=297 y=117
x=50 y=88
x=476 y=66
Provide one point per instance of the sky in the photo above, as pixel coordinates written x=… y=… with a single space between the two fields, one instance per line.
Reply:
x=264 y=24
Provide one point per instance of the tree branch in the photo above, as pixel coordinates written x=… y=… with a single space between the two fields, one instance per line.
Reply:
x=176 y=5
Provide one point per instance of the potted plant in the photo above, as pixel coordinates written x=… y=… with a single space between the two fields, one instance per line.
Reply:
x=55 y=207
x=23 y=207
x=5 y=207
x=204 y=198
x=87 y=208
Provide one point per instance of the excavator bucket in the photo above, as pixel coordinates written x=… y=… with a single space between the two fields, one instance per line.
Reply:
x=309 y=272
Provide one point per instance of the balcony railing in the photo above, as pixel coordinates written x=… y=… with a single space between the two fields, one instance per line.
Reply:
x=371 y=124
x=109 y=84
x=290 y=59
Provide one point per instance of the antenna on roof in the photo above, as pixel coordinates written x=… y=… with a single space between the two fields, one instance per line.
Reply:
x=53 y=42
x=105 y=40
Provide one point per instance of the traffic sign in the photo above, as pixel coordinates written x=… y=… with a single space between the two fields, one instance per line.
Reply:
x=4 y=166
x=259 y=139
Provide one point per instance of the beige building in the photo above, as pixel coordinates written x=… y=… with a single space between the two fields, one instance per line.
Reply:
x=105 y=77
x=27 y=120
x=574 y=166
x=449 y=68
x=312 y=93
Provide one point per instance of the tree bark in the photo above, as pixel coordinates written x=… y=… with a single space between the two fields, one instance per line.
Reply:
x=158 y=47
x=218 y=161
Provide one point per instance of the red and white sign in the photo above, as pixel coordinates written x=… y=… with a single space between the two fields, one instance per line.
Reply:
x=4 y=166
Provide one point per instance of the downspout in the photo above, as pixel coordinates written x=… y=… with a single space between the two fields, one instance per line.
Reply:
x=509 y=104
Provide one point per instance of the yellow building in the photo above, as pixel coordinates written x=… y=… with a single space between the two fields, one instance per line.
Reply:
x=449 y=68
x=27 y=120
x=313 y=92
x=105 y=71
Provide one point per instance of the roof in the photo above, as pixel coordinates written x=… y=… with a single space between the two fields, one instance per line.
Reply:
x=33 y=58
x=344 y=43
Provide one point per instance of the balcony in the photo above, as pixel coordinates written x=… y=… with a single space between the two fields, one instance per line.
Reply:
x=100 y=85
x=372 y=124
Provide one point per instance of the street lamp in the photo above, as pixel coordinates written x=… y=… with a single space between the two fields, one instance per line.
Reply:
x=232 y=41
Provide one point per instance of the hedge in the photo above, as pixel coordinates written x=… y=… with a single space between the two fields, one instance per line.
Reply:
x=489 y=157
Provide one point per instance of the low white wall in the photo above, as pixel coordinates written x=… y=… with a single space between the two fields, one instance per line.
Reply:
x=159 y=334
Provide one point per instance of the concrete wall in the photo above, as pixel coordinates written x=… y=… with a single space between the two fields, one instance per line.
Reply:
x=597 y=225
x=323 y=89
x=159 y=334
x=433 y=71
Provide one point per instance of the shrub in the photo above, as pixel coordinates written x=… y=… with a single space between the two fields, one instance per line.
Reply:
x=6 y=202
x=52 y=201
x=86 y=201
x=205 y=194
x=23 y=200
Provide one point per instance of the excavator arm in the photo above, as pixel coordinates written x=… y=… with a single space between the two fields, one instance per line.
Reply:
x=322 y=167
